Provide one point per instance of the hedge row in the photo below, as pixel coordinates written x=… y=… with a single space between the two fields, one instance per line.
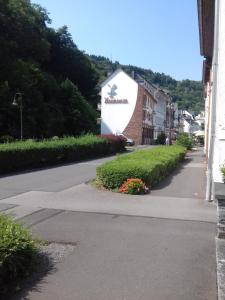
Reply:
x=31 y=154
x=18 y=254
x=149 y=165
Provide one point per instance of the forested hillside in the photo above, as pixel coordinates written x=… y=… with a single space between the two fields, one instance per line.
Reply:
x=187 y=93
x=57 y=80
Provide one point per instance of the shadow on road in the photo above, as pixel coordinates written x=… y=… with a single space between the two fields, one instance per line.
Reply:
x=45 y=266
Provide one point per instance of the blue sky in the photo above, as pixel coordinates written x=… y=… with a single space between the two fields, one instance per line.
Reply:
x=158 y=34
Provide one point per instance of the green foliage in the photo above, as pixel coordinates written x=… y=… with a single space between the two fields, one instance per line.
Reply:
x=161 y=139
x=222 y=169
x=185 y=141
x=41 y=63
x=17 y=254
x=6 y=139
x=187 y=93
x=31 y=154
x=151 y=166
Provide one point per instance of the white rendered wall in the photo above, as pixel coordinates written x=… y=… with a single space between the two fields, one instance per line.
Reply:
x=115 y=117
x=219 y=147
x=186 y=127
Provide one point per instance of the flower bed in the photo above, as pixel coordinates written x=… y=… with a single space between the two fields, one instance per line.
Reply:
x=134 y=186
x=151 y=166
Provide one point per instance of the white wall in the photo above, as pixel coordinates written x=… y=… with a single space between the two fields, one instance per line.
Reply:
x=187 y=126
x=115 y=117
x=219 y=147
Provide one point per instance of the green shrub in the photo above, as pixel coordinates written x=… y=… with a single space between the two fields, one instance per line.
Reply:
x=55 y=138
x=31 y=154
x=222 y=169
x=18 y=252
x=161 y=139
x=6 y=139
x=185 y=141
x=151 y=166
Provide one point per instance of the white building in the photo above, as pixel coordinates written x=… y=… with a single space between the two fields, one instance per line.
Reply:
x=200 y=119
x=188 y=123
x=212 y=43
x=132 y=106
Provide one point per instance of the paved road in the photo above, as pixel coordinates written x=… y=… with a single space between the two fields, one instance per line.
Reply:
x=53 y=179
x=160 y=246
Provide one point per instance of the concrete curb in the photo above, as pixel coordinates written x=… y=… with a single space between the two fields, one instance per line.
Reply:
x=220 y=259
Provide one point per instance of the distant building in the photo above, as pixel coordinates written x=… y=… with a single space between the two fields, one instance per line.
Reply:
x=187 y=122
x=132 y=106
x=200 y=120
x=160 y=112
x=212 y=46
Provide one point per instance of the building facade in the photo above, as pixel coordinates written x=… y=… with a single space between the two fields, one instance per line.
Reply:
x=132 y=106
x=161 y=120
x=212 y=46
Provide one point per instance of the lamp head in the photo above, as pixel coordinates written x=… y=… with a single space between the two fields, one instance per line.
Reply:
x=17 y=99
x=15 y=102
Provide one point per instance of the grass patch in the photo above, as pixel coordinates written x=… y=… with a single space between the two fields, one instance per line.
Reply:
x=151 y=166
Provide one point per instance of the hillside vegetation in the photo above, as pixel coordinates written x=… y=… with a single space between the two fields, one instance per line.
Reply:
x=187 y=93
x=59 y=83
x=57 y=80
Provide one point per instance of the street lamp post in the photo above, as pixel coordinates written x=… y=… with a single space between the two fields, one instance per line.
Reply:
x=18 y=101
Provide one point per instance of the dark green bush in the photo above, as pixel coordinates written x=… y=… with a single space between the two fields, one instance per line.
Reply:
x=149 y=165
x=161 y=139
x=18 y=253
x=6 y=139
x=31 y=154
x=185 y=141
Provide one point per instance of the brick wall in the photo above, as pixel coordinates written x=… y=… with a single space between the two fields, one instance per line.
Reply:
x=134 y=127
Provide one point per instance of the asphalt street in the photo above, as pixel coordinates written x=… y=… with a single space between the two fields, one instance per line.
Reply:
x=159 y=246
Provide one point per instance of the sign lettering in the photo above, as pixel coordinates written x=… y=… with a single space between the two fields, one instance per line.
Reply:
x=116 y=101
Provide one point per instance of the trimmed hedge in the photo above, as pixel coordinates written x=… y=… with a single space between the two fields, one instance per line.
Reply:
x=30 y=154
x=18 y=253
x=149 y=165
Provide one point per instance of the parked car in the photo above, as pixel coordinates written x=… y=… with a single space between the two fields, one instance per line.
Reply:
x=129 y=141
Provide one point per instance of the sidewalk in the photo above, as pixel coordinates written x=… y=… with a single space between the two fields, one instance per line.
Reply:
x=158 y=246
